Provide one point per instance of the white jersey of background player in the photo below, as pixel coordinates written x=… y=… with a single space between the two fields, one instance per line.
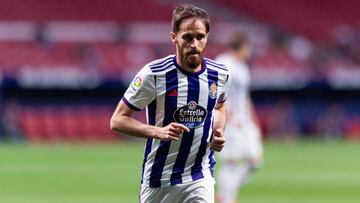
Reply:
x=243 y=150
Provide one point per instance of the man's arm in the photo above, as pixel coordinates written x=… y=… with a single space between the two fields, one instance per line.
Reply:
x=219 y=124
x=122 y=121
x=253 y=115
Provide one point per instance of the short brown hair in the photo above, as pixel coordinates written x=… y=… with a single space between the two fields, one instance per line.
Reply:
x=186 y=11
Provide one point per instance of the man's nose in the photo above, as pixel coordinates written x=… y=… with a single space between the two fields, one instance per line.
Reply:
x=194 y=44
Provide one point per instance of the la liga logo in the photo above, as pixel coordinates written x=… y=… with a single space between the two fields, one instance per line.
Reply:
x=136 y=84
x=137 y=81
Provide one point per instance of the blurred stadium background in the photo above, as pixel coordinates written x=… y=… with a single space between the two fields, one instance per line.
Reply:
x=64 y=66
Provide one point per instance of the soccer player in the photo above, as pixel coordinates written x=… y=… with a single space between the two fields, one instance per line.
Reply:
x=184 y=96
x=243 y=151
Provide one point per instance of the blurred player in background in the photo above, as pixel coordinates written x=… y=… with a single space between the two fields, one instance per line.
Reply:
x=184 y=95
x=243 y=150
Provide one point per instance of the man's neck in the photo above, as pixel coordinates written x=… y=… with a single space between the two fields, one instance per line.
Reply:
x=238 y=56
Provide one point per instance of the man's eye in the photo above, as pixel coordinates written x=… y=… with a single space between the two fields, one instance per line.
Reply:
x=187 y=38
x=200 y=37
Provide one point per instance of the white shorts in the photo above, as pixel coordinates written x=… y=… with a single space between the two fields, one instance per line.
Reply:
x=241 y=143
x=201 y=191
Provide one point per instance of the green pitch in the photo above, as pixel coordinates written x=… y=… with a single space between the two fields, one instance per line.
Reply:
x=296 y=173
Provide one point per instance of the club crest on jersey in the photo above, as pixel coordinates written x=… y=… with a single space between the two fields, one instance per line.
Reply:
x=191 y=115
x=213 y=91
x=137 y=82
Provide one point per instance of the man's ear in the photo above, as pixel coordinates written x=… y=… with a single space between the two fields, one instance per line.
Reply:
x=173 y=37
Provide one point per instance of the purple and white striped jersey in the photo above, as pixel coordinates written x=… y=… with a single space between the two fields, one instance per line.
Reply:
x=171 y=94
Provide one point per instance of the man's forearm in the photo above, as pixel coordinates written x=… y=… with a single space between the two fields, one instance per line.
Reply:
x=220 y=117
x=130 y=126
x=253 y=115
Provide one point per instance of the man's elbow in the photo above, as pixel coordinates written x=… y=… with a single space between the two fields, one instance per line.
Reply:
x=115 y=125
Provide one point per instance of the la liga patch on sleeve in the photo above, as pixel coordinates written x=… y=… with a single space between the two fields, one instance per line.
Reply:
x=137 y=83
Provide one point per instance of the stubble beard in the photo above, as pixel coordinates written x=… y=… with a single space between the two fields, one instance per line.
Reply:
x=191 y=61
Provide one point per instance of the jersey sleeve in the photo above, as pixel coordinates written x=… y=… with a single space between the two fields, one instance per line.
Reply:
x=141 y=91
x=224 y=91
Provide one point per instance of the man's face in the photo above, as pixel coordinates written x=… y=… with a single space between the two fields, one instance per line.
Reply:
x=190 y=42
x=244 y=52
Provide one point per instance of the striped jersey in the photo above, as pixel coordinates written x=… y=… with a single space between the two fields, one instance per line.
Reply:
x=170 y=94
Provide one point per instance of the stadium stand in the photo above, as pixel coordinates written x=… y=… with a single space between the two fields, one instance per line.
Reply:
x=85 y=10
x=69 y=123
x=316 y=19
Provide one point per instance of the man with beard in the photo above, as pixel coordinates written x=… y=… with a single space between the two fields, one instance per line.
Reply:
x=183 y=95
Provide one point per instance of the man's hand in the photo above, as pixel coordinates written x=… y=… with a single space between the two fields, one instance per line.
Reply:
x=218 y=141
x=171 y=132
